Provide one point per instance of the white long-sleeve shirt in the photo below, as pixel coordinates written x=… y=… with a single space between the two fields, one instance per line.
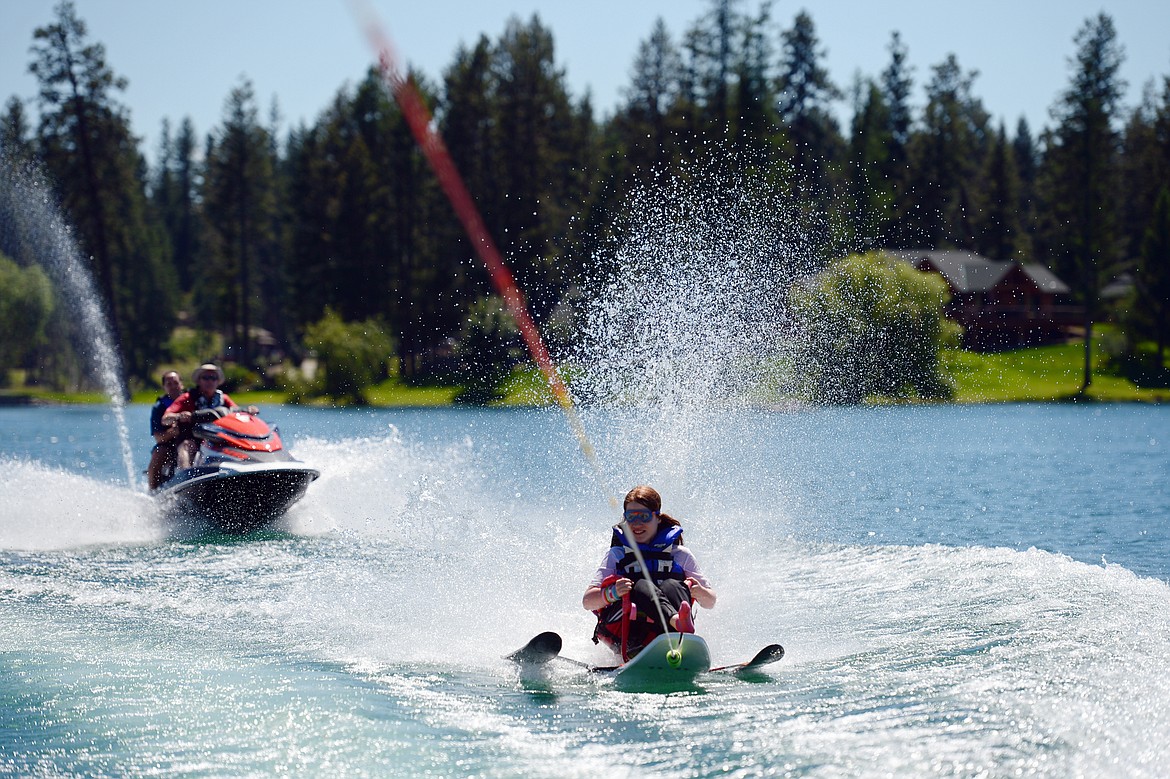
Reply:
x=682 y=556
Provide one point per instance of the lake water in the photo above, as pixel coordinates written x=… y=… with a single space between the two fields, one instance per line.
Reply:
x=967 y=591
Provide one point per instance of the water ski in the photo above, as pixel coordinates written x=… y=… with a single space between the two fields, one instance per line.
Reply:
x=650 y=666
x=538 y=651
x=655 y=664
x=769 y=654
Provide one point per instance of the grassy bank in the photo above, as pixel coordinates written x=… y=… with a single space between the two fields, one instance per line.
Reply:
x=1038 y=374
x=1042 y=374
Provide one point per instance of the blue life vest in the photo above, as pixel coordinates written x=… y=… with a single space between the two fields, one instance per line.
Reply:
x=202 y=402
x=161 y=404
x=658 y=554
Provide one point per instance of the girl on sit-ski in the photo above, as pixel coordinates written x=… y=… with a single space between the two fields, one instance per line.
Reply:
x=675 y=579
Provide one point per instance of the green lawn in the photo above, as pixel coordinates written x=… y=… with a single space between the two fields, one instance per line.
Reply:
x=393 y=392
x=37 y=395
x=527 y=386
x=1037 y=374
x=1042 y=373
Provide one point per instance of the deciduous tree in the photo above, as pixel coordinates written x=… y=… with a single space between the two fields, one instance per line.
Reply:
x=26 y=301
x=872 y=325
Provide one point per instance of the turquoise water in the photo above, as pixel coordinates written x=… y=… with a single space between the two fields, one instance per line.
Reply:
x=961 y=591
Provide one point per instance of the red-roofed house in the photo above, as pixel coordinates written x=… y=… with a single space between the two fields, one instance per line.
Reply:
x=1000 y=304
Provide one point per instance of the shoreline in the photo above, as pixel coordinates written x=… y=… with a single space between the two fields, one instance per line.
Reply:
x=1152 y=397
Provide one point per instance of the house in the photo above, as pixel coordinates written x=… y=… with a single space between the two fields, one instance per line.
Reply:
x=1000 y=304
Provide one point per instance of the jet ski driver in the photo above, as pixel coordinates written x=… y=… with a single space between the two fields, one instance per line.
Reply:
x=206 y=394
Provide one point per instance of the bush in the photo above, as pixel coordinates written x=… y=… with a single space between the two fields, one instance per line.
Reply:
x=350 y=358
x=486 y=351
x=872 y=325
x=26 y=302
x=238 y=378
x=191 y=346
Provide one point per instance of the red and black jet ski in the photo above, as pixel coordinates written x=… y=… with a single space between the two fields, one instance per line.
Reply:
x=242 y=478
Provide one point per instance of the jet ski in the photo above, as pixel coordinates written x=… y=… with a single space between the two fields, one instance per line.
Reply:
x=242 y=477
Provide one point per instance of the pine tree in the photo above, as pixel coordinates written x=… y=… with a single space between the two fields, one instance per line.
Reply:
x=653 y=94
x=539 y=163
x=871 y=189
x=897 y=83
x=1152 y=278
x=1000 y=236
x=427 y=281
x=947 y=159
x=758 y=134
x=238 y=199
x=79 y=121
x=1083 y=168
x=15 y=144
x=85 y=142
x=1026 y=158
x=1141 y=172
x=714 y=40
x=466 y=119
x=806 y=93
x=173 y=196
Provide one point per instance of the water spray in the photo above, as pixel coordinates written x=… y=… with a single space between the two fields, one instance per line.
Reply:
x=422 y=127
x=30 y=212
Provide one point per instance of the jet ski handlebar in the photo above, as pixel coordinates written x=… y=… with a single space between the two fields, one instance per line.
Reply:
x=209 y=414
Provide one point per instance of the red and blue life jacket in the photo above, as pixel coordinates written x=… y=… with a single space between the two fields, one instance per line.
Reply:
x=658 y=553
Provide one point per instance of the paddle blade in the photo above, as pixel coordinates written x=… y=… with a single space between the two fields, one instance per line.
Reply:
x=538 y=651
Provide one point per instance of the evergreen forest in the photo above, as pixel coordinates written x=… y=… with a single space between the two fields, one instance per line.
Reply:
x=259 y=247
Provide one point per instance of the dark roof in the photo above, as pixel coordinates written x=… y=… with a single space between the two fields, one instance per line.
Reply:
x=965 y=271
x=1118 y=288
x=969 y=272
x=1044 y=279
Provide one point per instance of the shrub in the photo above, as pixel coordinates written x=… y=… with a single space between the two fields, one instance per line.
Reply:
x=486 y=350
x=872 y=325
x=26 y=302
x=350 y=357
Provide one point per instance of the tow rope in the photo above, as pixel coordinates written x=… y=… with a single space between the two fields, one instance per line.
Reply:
x=426 y=135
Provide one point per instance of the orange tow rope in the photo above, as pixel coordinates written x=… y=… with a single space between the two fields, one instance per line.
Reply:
x=422 y=126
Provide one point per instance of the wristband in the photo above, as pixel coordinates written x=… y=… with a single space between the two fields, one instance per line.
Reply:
x=610 y=594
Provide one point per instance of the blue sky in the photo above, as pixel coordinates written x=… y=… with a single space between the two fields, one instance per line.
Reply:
x=182 y=58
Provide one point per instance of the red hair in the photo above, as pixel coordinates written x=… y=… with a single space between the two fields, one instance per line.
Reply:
x=649 y=497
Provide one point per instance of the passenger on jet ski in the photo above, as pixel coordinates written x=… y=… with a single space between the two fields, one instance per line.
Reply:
x=675 y=577
x=166 y=437
x=205 y=395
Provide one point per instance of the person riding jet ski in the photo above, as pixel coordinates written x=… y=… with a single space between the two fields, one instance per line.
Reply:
x=205 y=395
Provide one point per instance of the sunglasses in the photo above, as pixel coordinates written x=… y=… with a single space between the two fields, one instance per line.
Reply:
x=638 y=516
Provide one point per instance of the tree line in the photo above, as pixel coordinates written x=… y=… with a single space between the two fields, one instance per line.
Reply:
x=246 y=230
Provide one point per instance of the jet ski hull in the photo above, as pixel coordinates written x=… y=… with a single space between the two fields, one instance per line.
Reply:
x=238 y=498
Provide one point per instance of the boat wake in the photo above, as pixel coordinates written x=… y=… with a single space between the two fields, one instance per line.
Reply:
x=413 y=566
x=50 y=508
